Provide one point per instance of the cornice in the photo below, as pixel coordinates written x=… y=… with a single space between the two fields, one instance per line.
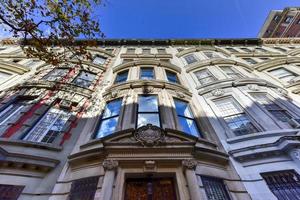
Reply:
x=13 y=67
x=280 y=40
x=216 y=61
x=275 y=62
x=147 y=56
x=146 y=62
x=294 y=52
x=202 y=48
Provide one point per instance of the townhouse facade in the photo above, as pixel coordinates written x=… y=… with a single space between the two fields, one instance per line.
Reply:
x=153 y=119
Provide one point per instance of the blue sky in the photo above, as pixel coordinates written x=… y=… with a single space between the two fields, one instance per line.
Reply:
x=186 y=18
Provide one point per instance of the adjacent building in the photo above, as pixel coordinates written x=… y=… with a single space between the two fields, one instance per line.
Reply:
x=282 y=24
x=155 y=119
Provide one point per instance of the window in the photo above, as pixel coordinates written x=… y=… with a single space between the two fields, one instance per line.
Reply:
x=285 y=185
x=98 y=60
x=146 y=51
x=10 y=192
x=214 y=188
x=109 y=118
x=231 y=72
x=121 y=77
x=172 y=76
x=49 y=126
x=186 y=118
x=56 y=74
x=131 y=50
x=4 y=76
x=288 y=19
x=84 y=188
x=148 y=111
x=11 y=114
x=250 y=60
x=84 y=79
x=161 y=51
x=204 y=76
x=246 y=49
x=232 y=50
x=147 y=73
x=278 y=112
x=280 y=49
x=283 y=74
x=235 y=117
x=276 y=18
x=190 y=58
x=211 y=54
x=109 y=50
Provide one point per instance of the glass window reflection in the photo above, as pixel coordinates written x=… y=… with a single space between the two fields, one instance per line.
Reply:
x=147 y=73
x=186 y=118
x=121 y=77
x=148 y=112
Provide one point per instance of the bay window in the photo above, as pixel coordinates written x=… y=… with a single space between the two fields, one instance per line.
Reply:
x=148 y=111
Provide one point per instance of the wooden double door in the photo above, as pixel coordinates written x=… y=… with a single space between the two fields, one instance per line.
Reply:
x=150 y=189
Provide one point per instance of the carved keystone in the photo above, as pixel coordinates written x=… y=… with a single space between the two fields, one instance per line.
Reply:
x=189 y=164
x=110 y=164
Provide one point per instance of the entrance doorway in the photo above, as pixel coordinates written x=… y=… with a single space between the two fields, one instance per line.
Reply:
x=150 y=189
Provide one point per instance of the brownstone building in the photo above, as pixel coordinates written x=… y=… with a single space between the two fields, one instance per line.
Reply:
x=282 y=24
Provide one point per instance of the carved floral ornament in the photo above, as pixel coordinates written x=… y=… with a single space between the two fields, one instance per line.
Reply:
x=253 y=87
x=189 y=163
x=218 y=92
x=109 y=164
x=149 y=135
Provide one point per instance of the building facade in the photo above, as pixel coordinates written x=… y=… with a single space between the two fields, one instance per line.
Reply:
x=163 y=119
x=282 y=24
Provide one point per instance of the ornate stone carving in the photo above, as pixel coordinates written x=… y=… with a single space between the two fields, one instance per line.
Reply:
x=218 y=92
x=253 y=87
x=179 y=94
x=296 y=154
x=114 y=93
x=189 y=163
x=109 y=164
x=148 y=89
x=282 y=92
x=149 y=135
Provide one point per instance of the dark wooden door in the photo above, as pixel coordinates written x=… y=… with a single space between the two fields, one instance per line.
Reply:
x=150 y=189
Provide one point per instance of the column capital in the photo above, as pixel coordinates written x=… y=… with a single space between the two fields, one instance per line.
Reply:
x=109 y=164
x=189 y=164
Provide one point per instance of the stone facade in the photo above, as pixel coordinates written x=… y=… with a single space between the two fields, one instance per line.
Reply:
x=216 y=117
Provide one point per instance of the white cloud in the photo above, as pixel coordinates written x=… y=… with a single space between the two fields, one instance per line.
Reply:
x=4 y=33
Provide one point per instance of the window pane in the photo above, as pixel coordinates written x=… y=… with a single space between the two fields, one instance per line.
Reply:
x=146 y=118
x=182 y=108
x=122 y=77
x=84 y=79
x=190 y=59
x=228 y=107
x=56 y=74
x=204 y=76
x=99 y=60
x=214 y=188
x=112 y=108
x=240 y=124
x=107 y=127
x=49 y=126
x=188 y=126
x=172 y=77
x=147 y=73
x=148 y=104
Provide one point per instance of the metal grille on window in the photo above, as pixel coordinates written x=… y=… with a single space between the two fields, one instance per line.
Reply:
x=204 y=76
x=84 y=189
x=190 y=59
x=10 y=192
x=230 y=72
x=109 y=118
x=235 y=117
x=56 y=74
x=214 y=188
x=49 y=126
x=277 y=111
x=285 y=185
x=11 y=114
x=84 y=79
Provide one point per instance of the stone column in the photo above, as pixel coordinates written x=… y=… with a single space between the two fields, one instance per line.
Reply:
x=110 y=167
x=189 y=167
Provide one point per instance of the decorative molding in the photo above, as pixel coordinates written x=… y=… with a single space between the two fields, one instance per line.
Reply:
x=179 y=94
x=148 y=89
x=296 y=154
x=109 y=164
x=253 y=87
x=218 y=92
x=189 y=164
x=149 y=135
